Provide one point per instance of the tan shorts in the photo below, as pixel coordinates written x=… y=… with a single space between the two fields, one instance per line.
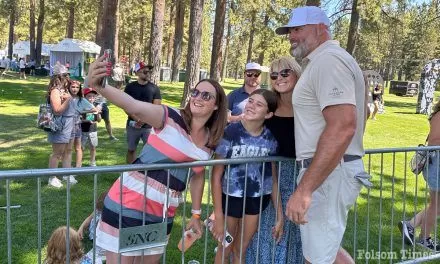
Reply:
x=89 y=139
x=327 y=216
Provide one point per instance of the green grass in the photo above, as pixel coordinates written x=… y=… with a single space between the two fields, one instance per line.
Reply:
x=23 y=146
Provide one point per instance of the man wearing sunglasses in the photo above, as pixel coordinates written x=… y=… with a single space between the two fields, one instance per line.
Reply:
x=329 y=110
x=238 y=98
x=143 y=90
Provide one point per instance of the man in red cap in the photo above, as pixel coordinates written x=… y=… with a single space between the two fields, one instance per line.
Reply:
x=144 y=90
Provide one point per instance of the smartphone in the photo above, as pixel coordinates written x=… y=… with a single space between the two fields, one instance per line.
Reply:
x=108 y=58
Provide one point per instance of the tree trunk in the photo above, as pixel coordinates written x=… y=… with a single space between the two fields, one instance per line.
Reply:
x=170 y=36
x=157 y=38
x=225 y=56
x=251 y=38
x=39 y=42
x=11 y=29
x=194 y=48
x=32 y=29
x=313 y=3
x=264 y=41
x=98 y=31
x=353 y=31
x=217 y=40
x=71 y=20
x=108 y=37
x=138 y=46
x=178 y=38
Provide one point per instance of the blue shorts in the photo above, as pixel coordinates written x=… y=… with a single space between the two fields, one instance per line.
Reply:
x=432 y=171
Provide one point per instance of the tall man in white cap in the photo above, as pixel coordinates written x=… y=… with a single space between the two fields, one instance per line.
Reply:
x=329 y=110
x=238 y=98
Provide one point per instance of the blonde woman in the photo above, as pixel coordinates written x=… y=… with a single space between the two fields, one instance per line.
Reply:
x=284 y=73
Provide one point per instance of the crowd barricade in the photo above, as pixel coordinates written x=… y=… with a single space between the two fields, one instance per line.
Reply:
x=372 y=234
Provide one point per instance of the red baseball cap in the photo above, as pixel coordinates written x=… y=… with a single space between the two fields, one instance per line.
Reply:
x=89 y=90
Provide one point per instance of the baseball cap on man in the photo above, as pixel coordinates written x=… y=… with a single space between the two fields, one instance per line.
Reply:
x=139 y=66
x=89 y=90
x=252 y=66
x=305 y=15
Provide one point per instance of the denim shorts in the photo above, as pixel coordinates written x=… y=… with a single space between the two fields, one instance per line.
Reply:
x=431 y=171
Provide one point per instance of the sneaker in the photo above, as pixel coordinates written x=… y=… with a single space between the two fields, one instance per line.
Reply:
x=71 y=179
x=55 y=182
x=407 y=231
x=113 y=138
x=429 y=244
x=92 y=163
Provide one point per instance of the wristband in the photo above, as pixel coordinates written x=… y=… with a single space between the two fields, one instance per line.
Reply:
x=196 y=216
x=198 y=212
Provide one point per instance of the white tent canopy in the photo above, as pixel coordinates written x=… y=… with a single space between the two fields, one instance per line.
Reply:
x=75 y=52
x=23 y=49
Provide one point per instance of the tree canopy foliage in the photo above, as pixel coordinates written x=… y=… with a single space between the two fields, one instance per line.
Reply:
x=394 y=37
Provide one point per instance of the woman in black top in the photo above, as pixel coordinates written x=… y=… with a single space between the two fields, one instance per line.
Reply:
x=284 y=74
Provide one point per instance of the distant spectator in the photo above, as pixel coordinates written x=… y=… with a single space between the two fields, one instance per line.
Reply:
x=427 y=218
x=237 y=99
x=377 y=99
x=143 y=90
x=118 y=75
x=62 y=105
x=89 y=127
x=32 y=67
x=22 y=65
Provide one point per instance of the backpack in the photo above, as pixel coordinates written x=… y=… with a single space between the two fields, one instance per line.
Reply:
x=418 y=161
x=46 y=120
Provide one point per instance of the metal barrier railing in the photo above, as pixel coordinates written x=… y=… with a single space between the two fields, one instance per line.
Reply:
x=372 y=235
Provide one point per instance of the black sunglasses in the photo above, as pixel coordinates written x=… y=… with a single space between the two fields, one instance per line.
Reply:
x=284 y=73
x=250 y=74
x=206 y=96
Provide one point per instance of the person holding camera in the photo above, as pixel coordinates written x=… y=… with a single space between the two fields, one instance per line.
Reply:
x=143 y=90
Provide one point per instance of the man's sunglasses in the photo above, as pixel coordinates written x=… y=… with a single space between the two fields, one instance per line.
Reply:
x=284 y=73
x=206 y=96
x=250 y=74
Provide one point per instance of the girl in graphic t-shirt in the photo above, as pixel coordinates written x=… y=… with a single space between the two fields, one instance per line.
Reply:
x=252 y=183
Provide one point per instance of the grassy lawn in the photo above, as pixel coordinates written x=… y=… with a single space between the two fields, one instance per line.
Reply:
x=23 y=146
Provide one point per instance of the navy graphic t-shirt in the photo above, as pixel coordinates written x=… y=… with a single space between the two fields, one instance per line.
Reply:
x=238 y=143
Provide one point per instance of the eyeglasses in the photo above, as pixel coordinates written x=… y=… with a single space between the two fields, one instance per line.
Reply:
x=284 y=73
x=146 y=71
x=250 y=74
x=206 y=96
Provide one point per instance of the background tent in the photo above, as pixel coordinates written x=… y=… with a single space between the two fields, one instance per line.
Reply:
x=22 y=49
x=78 y=53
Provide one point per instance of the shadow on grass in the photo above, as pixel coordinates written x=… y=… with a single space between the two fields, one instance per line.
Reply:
x=398 y=104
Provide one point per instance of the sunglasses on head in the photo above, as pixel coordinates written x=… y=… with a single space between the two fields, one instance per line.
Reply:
x=284 y=73
x=250 y=74
x=206 y=96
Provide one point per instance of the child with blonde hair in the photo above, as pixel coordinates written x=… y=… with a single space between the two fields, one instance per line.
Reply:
x=56 y=248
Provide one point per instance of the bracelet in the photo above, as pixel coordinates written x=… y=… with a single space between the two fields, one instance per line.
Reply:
x=196 y=216
x=194 y=211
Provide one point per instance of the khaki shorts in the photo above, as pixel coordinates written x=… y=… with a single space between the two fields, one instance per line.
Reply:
x=89 y=139
x=327 y=216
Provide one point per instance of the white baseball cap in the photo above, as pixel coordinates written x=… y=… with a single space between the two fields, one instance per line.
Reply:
x=252 y=66
x=305 y=15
